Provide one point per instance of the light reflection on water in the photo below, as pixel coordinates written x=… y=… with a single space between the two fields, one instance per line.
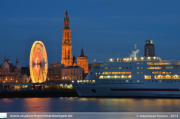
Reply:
x=89 y=105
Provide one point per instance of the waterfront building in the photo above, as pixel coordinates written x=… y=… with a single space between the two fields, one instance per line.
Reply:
x=82 y=61
x=25 y=70
x=10 y=73
x=67 y=57
x=72 y=73
x=54 y=71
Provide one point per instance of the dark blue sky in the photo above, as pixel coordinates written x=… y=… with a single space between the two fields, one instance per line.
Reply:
x=105 y=28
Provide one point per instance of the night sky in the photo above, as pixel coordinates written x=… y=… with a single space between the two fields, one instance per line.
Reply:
x=105 y=28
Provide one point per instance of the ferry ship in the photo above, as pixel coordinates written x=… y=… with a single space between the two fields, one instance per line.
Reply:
x=147 y=76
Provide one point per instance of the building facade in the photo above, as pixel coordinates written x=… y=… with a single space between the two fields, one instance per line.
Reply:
x=67 y=57
x=72 y=73
x=82 y=61
x=54 y=71
x=10 y=73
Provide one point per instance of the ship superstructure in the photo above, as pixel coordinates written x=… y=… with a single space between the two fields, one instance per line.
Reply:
x=147 y=76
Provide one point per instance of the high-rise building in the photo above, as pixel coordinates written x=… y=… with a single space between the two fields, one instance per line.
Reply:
x=149 y=49
x=82 y=61
x=67 y=57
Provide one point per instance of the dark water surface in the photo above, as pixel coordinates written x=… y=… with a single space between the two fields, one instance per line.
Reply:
x=89 y=105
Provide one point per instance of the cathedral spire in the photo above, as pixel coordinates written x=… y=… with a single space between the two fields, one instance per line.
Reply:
x=66 y=12
x=74 y=61
x=66 y=21
x=67 y=57
x=82 y=52
x=17 y=59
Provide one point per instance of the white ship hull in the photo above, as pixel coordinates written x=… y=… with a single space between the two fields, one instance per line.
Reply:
x=132 y=77
x=124 y=90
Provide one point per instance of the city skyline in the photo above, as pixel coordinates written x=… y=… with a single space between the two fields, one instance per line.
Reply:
x=103 y=28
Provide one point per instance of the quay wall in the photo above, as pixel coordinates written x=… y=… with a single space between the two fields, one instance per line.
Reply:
x=38 y=93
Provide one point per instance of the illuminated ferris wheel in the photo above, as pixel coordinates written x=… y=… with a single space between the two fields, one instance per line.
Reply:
x=38 y=62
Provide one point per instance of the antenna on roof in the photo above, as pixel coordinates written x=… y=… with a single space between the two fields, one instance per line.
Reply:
x=135 y=46
x=118 y=57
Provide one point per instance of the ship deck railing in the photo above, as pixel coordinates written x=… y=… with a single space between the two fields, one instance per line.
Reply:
x=140 y=59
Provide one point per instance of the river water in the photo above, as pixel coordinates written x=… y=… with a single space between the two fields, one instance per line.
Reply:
x=89 y=105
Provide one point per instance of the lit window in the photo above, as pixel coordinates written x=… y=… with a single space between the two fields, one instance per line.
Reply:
x=96 y=73
x=105 y=63
x=137 y=62
x=101 y=77
x=137 y=72
x=99 y=73
x=105 y=72
x=141 y=72
x=159 y=80
x=141 y=63
x=147 y=76
x=119 y=67
x=168 y=77
x=126 y=80
x=137 y=67
x=106 y=68
x=141 y=67
x=137 y=80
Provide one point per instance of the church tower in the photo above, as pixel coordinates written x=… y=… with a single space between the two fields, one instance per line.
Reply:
x=66 y=58
x=82 y=61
